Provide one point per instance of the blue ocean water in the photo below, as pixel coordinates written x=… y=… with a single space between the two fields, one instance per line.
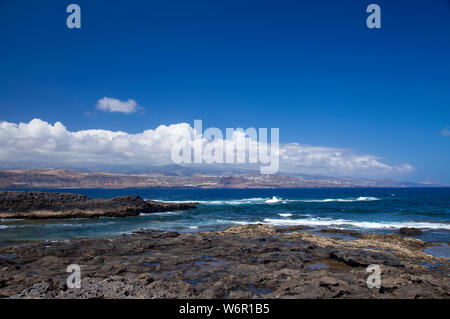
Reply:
x=368 y=210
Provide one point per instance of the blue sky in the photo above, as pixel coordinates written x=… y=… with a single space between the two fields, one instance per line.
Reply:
x=313 y=69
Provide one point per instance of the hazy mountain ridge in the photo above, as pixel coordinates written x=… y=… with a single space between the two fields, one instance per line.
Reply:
x=182 y=177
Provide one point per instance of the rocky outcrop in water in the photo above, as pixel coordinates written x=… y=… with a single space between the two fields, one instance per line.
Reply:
x=42 y=205
x=252 y=261
x=410 y=231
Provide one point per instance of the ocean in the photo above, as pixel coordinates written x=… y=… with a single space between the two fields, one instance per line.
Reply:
x=379 y=210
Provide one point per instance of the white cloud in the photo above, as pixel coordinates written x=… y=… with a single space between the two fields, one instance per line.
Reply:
x=108 y=104
x=40 y=144
x=445 y=131
x=327 y=160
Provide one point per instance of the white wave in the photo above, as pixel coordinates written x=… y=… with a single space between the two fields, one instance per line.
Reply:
x=227 y=202
x=160 y=214
x=243 y=201
x=367 y=198
x=230 y=222
x=278 y=200
x=285 y=215
x=244 y=223
x=273 y=200
x=192 y=227
x=326 y=200
x=4 y=226
x=359 y=199
x=343 y=222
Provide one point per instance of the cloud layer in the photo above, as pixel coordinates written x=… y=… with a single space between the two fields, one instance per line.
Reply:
x=445 y=131
x=40 y=144
x=108 y=104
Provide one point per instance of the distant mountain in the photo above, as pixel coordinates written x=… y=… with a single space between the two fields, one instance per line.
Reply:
x=180 y=176
x=168 y=170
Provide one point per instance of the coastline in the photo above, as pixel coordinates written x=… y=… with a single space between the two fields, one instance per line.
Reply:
x=248 y=261
x=183 y=177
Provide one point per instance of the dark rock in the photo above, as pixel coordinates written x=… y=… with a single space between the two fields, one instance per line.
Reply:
x=340 y=231
x=293 y=228
x=410 y=231
x=234 y=264
x=42 y=205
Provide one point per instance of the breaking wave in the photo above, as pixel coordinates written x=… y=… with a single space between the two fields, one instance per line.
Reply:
x=351 y=223
x=359 y=199
x=275 y=200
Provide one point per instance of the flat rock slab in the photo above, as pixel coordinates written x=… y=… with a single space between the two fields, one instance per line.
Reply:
x=251 y=261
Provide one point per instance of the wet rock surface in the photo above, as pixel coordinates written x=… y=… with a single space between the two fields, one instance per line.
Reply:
x=43 y=205
x=252 y=261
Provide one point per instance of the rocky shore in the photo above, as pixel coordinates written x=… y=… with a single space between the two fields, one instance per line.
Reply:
x=45 y=205
x=252 y=261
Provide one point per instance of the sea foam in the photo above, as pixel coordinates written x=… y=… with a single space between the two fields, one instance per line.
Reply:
x=273 y=200
x=327 y=200
x=358 y=224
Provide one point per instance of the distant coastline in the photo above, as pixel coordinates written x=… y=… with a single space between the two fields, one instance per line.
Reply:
x=183 y=178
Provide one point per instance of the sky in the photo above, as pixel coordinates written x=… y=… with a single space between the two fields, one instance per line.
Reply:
x=348 y=100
